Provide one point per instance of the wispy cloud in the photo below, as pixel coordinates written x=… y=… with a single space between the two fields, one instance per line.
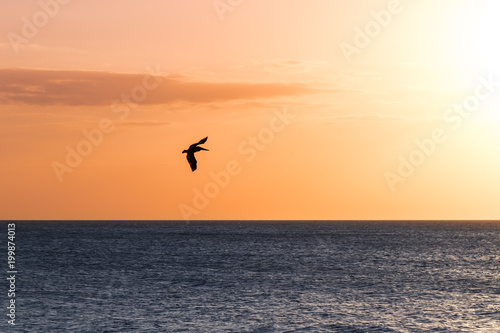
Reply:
x=376 y=118
x=144 y=123
x=73 y=88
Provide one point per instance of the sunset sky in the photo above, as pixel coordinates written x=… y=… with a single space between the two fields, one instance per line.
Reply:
x=322 y=109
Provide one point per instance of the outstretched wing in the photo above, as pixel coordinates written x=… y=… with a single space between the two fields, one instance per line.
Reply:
x=191 y=160
x=202 y=141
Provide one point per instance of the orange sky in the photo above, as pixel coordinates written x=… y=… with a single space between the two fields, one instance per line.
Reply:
x=313 y=110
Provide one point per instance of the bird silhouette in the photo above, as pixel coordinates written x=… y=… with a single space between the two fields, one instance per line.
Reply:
x=193 y=149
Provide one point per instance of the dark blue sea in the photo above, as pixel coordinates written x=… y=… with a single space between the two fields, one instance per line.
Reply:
x=142 y=276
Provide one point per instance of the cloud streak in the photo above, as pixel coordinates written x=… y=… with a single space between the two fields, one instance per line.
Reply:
x=87 y=88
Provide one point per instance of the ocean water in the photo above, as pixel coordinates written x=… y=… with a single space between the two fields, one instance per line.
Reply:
x=254 y=277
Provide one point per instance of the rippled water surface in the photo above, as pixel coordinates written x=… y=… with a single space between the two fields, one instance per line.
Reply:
x=256 y=277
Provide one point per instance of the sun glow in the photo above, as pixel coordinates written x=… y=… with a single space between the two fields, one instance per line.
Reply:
x=475 y=31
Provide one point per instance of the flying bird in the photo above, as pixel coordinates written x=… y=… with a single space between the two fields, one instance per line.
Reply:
x=193 y=149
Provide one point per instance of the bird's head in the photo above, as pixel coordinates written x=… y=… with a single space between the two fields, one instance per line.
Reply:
x=184 y=151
